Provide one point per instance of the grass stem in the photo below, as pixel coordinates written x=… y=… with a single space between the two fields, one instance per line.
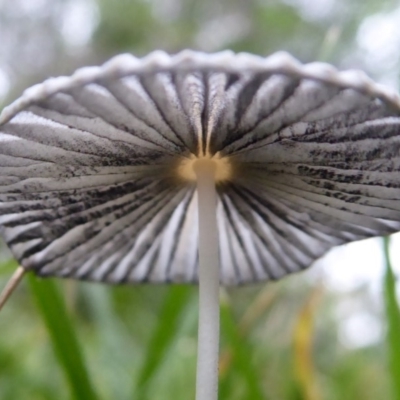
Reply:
x=11 y=286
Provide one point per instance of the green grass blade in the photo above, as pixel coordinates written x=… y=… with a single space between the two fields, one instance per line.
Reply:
x=240 y=349
x=63 y=338
x=163 y=336
x=393 y=322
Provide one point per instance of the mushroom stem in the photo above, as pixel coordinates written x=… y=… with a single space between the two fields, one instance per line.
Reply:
x=208 y=336
x=11 y=285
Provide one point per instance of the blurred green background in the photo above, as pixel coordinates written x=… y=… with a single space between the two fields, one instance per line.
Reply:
x=324 y=334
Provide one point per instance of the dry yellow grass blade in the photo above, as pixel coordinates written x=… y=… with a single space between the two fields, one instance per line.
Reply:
x=303 y=336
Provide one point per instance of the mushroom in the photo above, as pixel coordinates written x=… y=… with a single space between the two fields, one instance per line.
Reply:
x=102 y=173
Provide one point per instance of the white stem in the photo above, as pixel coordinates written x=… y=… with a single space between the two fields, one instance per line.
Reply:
x=11 y=285
x=208 y=336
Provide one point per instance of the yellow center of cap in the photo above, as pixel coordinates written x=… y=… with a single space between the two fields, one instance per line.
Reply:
x=222 y=167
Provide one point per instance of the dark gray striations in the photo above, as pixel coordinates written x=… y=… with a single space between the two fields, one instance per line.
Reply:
x=89 y=186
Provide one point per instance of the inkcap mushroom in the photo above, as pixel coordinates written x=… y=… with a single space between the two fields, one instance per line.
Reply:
x=219 y=168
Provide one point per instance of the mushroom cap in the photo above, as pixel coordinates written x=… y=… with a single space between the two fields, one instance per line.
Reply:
x=93 y=167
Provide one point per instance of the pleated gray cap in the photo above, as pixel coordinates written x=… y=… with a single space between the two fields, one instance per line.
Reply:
x=91 y=181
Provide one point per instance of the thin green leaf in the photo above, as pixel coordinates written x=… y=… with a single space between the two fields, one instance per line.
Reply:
x=393 y=322
x=163 y=336
x=240 y=349
x=63 y=338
